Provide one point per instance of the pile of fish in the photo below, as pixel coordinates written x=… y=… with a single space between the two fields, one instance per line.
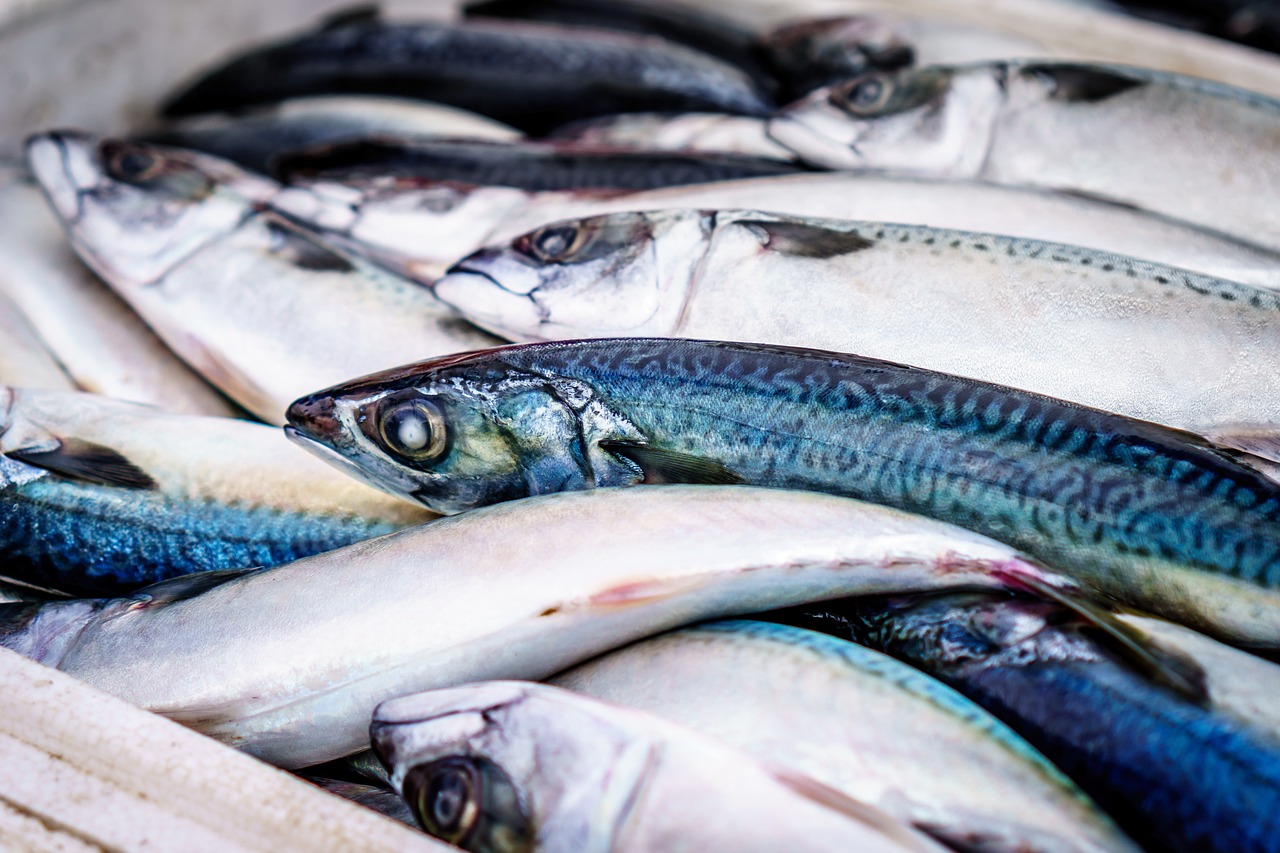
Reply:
x=948 y=366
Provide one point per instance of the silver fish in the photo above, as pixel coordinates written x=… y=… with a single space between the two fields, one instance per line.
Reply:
x=254 y=303
x=1045 y=318
x=718 y=132
x=1178 y=146
x=858 y=721
x=24 y=358
x=506 y=765
x=548 y=583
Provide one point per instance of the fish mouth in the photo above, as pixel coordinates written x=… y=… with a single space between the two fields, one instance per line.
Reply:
x=64 y=163
x=810 y=144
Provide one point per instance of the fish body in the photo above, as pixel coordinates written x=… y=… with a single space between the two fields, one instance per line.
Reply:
x=858 y=721
x=533 y=77
x=707 y=132
x=1051 y=319
x=1149 y=515
x=1176 y=775
x=255 y=303
x=102 y=497
x=1178 y=146
x=538 y=768
x=24 y=358
x=254 y=140
x=288 y=663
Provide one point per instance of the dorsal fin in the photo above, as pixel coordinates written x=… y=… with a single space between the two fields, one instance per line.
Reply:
x=366 y=13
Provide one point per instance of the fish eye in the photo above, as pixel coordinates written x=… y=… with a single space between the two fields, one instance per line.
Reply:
x=865 y=96
x=554 y=244
x=413 y=430
x=445 y=796
x=130 y=164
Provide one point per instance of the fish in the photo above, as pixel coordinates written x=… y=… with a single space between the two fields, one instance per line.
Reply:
x=1048 y=318
x=419 y=229
x=103 y=497
x=1131 y=136
x=97 y=339
x=288 y=663
x=1176 y=775
x=505 y=765
x=859 y=722
x=24 y=358
x=533 y=77
x=706 y=132
x=1135 y=511
x=257 y=304
x=254 y=139
x=524 y=165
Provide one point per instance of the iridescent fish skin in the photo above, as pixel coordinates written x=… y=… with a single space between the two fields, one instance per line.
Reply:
x=101 y=497
x=1176 y=775
x=1146 y=514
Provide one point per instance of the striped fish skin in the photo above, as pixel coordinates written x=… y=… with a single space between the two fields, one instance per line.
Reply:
x=101 y=497
x=1175 y=775
x=1047 y=318
x=859 y=721
x=1143 y=513
x=1185 y=148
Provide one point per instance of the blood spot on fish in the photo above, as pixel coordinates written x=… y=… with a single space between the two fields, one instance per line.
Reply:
x=1082 y=84
x=806 y=241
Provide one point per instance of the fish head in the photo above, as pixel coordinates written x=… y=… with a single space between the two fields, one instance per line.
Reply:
x=134 y=211
x=467 y=430
x=924 y=121
x=616 y=274
x=814 y=52
x=512 y=765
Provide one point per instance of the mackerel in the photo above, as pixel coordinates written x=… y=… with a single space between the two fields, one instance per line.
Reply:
x=1139 y=512
x=1178 y=146
x=858 y=721
x=288 y=663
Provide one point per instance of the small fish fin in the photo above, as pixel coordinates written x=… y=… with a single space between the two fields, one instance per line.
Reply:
x=670 y=466
x=188 y=586
x=304 y=251
x=1083 y=83
x=864 y=813
x=805 y=241
x=366 y=13
x=84 y=460
x=1162 y=665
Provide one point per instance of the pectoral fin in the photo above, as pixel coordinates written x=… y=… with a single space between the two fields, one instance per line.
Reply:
x=84 y=460
x=669 y=466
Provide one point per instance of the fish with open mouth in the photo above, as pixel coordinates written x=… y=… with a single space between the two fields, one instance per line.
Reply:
x=1149 y=515
x=1182 y=147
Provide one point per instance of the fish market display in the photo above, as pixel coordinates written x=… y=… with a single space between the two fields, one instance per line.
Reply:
x=529 y=166
x=862 y=723
x=509 y=765
x=24 y=358
x=103 y=346
x=521 y=590
x=1177 y=146
x=1175 y=775
x=530 y=76
x=256 y=138
x=1046 y=318
x=256 y=304
x=1149 y=515
x=101 y=497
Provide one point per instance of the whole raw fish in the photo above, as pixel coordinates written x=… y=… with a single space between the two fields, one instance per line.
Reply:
x=506 y=765
x=1182 y=147
x=101 y=497
x=1136 y=338
x=862 y=723
x=288 y=663
x=1140 y=512
x=255 y=303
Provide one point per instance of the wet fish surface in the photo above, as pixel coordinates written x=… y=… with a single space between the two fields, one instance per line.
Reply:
x=1149 y=515
x=255 y=139
x=1047 y=318
x=1185 y=148
x=856 y=720
x=1175 y=775
x=102 y=497
x=518 y=766
x=24 y=358
x=533 y=77
x=522 y=590
x=257 y=304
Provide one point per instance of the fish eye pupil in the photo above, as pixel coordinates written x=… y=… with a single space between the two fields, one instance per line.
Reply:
x=449 y=792
x=555 y=242
x=133 y=164
x=413 y=430
x=867 y=92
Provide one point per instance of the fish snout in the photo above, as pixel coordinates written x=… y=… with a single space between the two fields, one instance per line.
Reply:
x=64 y=163
x=314 y=417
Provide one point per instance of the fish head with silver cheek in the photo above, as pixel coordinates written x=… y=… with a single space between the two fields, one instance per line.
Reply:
x=619 y=274
x=511 y=766
x=467 y=430
x=933 y=121
x=135 y=211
